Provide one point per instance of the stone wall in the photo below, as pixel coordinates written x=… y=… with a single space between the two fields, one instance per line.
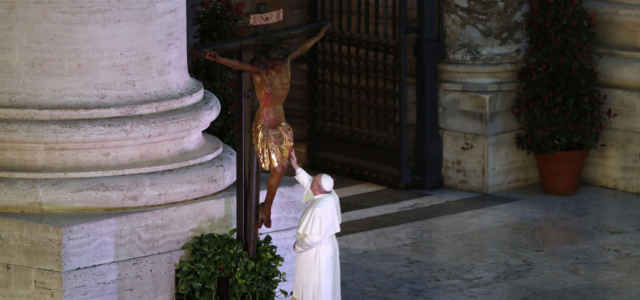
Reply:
x=617 y=163
x=484 y=44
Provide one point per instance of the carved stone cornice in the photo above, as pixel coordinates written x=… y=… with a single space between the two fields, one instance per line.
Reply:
x=483 y=31
x=98 y=111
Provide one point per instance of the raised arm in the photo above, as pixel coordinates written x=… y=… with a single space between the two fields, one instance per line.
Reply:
x=308 y=44
x=302 y=176
x=231 y=63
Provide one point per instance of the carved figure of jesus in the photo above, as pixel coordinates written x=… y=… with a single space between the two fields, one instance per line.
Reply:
x=272 y=135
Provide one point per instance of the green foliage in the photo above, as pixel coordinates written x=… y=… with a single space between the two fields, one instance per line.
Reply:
x=213 y=256
x=219 y=20
x=559 y=105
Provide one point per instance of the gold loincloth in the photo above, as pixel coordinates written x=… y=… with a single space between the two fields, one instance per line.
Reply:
x=272 y=145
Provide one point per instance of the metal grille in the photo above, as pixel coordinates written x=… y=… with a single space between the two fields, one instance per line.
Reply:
x=358 y=86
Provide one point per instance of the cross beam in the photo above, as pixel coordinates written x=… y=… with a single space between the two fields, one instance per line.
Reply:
x=256 y=39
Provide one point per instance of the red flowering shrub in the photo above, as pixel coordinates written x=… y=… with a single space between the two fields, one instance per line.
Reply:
x=559 y=105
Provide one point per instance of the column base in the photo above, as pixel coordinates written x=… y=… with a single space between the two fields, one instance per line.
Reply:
x=119 y=192
x=127 y=254
x=486 y=164
x=117 y=255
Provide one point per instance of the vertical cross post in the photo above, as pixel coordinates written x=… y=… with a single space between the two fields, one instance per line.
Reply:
x=241 y=174
x=253 y=182
x=248 y=178
x=428 y=140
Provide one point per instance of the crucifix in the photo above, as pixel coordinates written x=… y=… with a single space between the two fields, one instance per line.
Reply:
x=269 y=140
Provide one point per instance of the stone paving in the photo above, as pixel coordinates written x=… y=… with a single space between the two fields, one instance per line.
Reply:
x=519 y=244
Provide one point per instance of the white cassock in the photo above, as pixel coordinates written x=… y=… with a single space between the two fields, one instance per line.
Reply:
x=317 y=275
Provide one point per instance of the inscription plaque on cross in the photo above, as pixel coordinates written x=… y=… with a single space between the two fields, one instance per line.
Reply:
x=266 y=18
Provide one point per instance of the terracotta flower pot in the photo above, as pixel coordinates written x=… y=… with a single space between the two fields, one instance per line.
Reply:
x=560 y=172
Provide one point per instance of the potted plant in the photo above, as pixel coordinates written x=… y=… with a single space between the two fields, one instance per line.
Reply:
x=559 y=106
x=215 y=260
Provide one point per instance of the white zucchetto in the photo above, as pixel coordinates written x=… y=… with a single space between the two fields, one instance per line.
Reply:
x=326 y=182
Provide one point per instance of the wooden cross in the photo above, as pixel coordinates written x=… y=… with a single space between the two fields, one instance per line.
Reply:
x=247 y=174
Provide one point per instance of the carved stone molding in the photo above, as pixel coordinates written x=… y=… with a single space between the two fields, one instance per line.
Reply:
x=483 y=31
x=97 y=108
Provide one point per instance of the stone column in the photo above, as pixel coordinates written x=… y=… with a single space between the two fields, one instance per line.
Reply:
x=484 y=42
x=616 y=164
x=98 y=112
x=97 y=108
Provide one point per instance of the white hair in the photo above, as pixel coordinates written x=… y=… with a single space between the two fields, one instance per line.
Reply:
x=326 y=183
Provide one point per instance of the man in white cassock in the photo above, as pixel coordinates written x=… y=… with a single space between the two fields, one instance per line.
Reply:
x=317 y=275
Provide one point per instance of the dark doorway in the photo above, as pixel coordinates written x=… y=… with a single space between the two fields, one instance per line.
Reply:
x=363 y=122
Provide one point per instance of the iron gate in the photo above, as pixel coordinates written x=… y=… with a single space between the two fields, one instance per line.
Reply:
x=358 y=84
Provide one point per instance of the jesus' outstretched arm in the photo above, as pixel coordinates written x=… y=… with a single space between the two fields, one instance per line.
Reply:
x=231 y=63
x=308 y=44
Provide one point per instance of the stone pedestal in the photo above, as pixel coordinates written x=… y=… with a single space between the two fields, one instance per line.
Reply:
x=117 y=255
x=616 y=164
x=484 y=41
x=98 y=113
x=129 y=254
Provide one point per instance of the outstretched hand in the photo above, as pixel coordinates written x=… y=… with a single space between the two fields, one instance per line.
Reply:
x=324 y=29
x=211 y=55
x=293 y=159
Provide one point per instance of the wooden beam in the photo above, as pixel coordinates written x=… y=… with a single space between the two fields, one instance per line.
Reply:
x=256 y=39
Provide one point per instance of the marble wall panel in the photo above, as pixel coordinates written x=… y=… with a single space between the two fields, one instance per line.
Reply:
x=615 y=165
x=616 y=162
x=481 y=163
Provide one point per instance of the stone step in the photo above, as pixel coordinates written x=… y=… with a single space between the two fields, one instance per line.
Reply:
x=420 y=209
x=401 y=206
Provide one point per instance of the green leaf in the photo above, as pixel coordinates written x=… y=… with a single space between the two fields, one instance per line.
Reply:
x=217 y=256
